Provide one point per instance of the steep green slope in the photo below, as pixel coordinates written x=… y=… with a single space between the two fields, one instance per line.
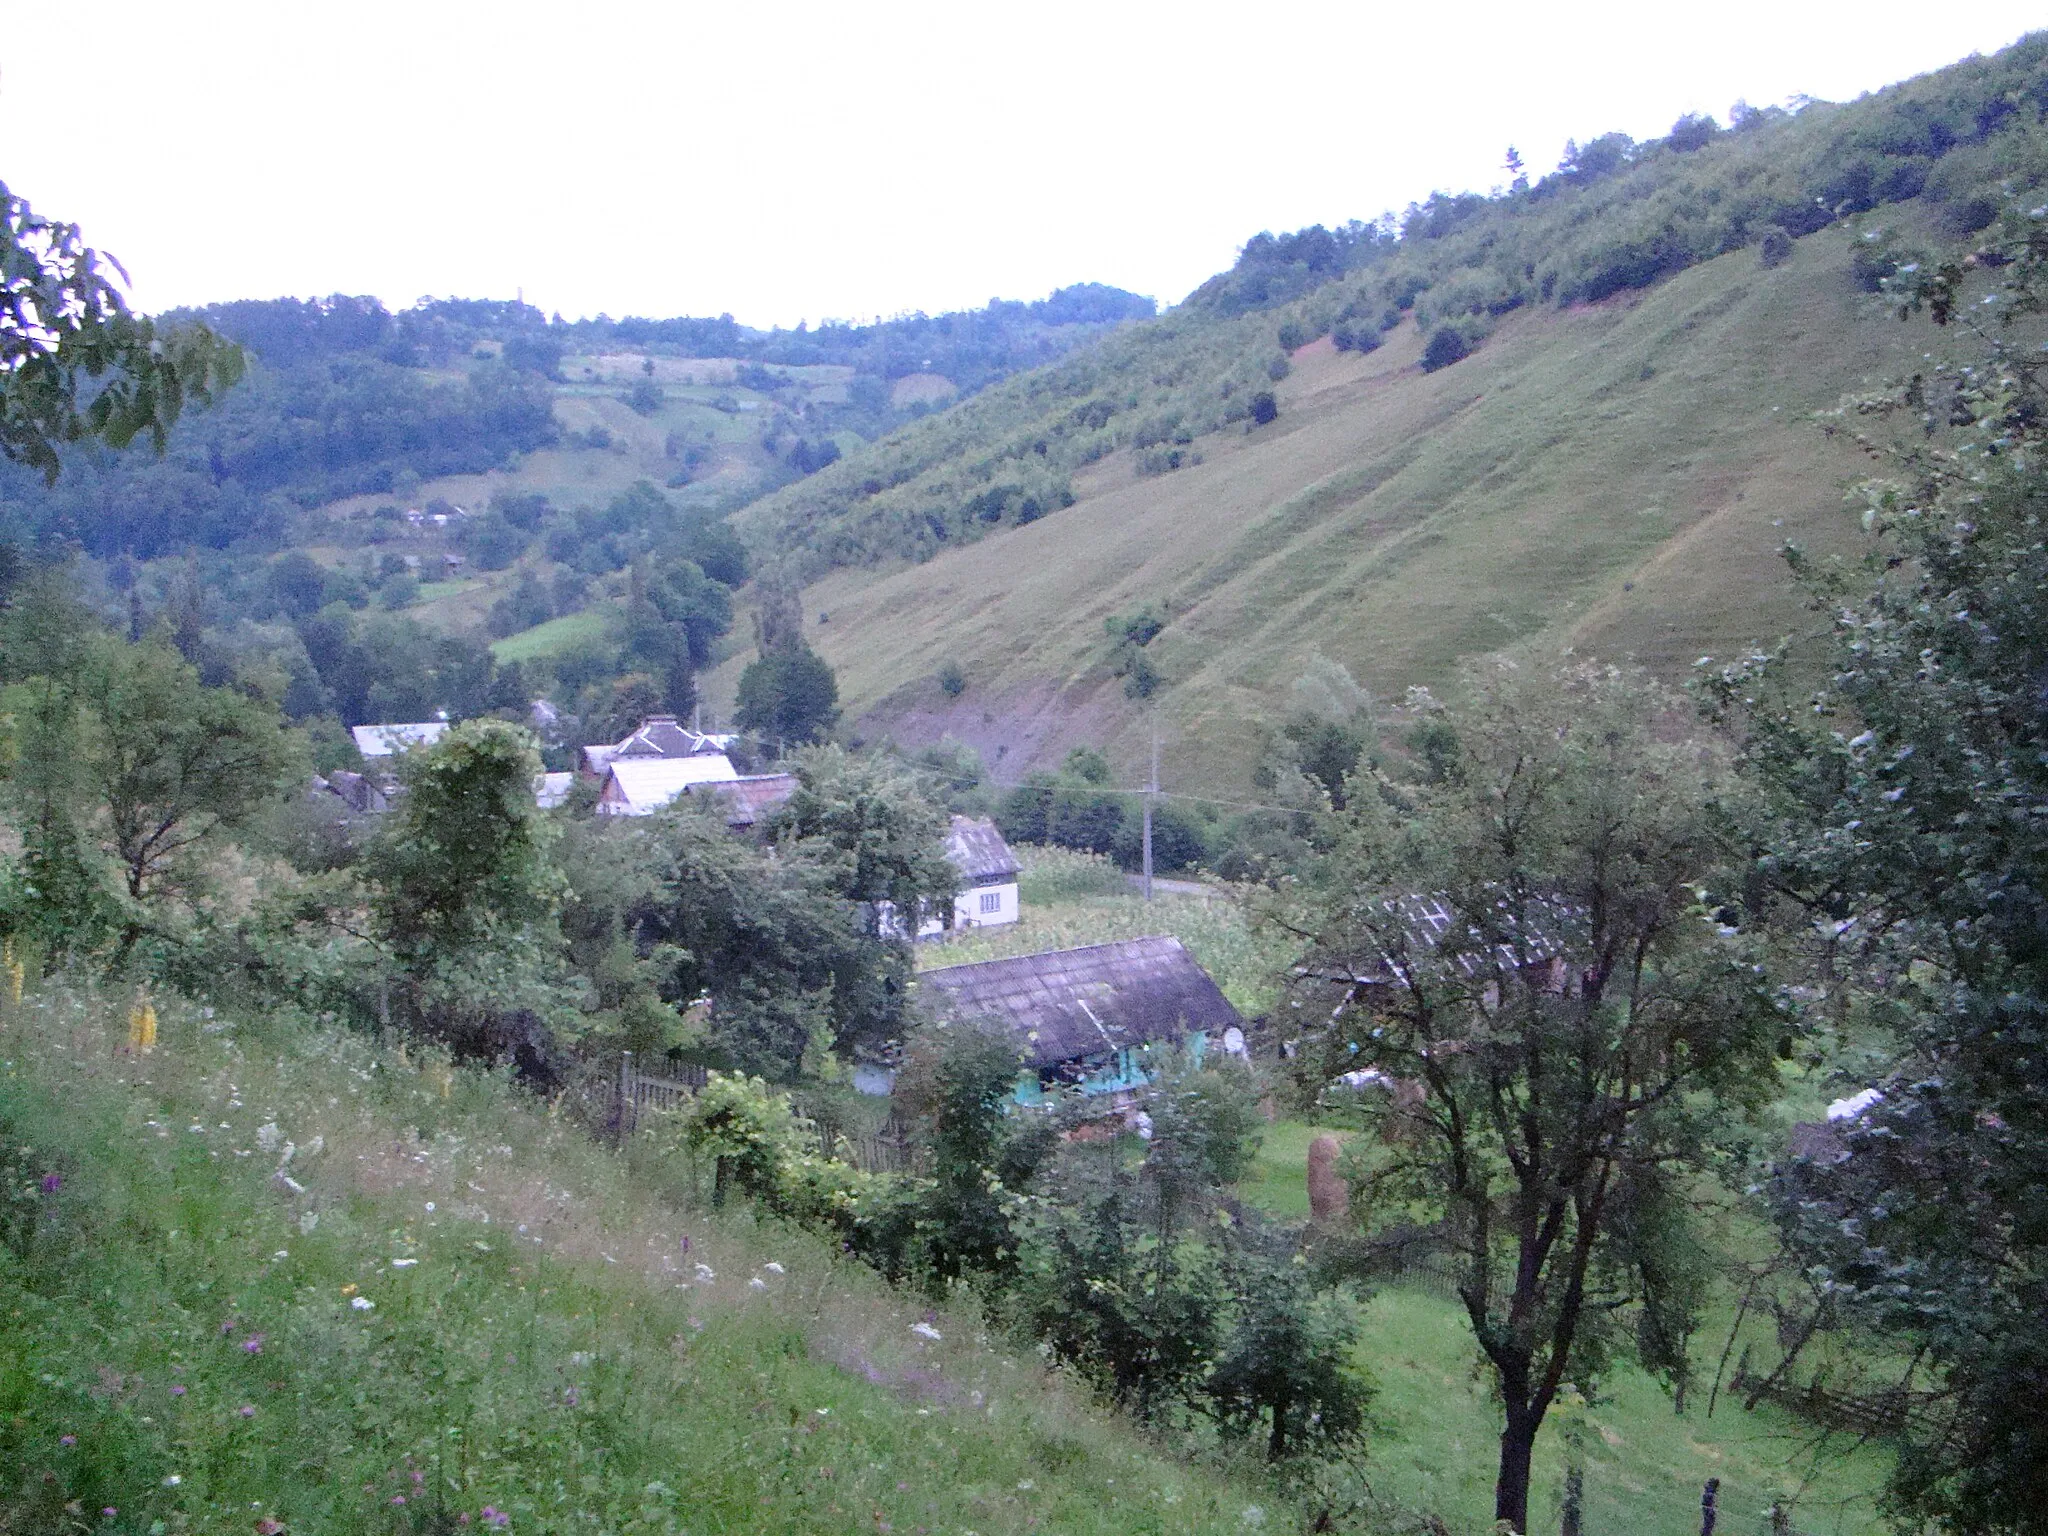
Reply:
x=1614 y=477
x=279 y=1280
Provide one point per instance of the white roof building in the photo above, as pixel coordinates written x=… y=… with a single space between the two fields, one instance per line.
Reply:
x=551 y=789
x=638 y=786
x=389 y=740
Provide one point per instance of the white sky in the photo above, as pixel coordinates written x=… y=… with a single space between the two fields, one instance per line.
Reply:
x=805 y=161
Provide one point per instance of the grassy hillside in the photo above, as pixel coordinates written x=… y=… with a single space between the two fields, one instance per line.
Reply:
x=284 y=1281
x=1616 y=477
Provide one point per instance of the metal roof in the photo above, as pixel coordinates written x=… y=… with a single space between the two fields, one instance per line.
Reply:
x=388 y=740
x=977 y=850
x=749 y=798
x=635 y=786
x=1070 y=1003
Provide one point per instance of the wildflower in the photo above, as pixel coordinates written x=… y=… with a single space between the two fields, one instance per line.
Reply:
x=109 y=1512
x=247 y=1410
x=282 y=1253
x=173 y=1480
x=683 y=1245
x=67 y=1439
x=398 y=1498
x=349 y=1289
x=926 y=1331
x=493 y=1516
x=52 y=1182
x=430 y=1207
x=177 y=1391
x=269 y=1527
x=403 y=1263
x=704 y=1272
x=253 y=1345
x=572 y=1397
x=757 y=1284
x=363 y=1304
x=774 y=1268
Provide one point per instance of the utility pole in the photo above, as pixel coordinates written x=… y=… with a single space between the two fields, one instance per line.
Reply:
x=1151 y=793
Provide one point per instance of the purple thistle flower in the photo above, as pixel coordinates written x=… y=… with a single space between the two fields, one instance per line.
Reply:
x=571 y=1397
x=253 y=1345
x=248 y=1411
x=109 y=1512
x=67 y=1439
x=177 y=1391
x=52 y=1182
x=398 y=1498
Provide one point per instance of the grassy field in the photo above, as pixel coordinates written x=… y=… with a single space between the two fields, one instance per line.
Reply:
x=1615 y=478
x=565 y=633
x=279 y=1280
x=1436 y=1419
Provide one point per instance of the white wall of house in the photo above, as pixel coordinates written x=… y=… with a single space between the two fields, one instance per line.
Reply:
x=986 y=906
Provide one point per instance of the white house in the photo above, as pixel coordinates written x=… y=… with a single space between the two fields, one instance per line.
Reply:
x=988 y=876
x=390 y=740
x=639 y=786
x=656 y=736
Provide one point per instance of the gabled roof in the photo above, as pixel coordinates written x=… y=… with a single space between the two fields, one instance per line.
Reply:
x=657 y=736
x=635 y=786
x=977 y=850
x=1071 y=1003
x=389 y=740
x=749 y=798
x=551 y=789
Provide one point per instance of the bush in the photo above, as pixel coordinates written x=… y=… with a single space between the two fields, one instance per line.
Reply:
x=645 y=397
x=1447 y=345
x=1776 y=248
x=1265 y=409
x=952 y=679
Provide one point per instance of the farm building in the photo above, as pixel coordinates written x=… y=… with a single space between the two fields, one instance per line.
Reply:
x=639 y=786
x=1088 y=1018
x=375 y=741
x=750 y=798
x=988 y=875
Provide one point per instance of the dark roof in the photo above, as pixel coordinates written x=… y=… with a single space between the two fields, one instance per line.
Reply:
x=1071 y=1003
x=977 y=850
x=749 y=798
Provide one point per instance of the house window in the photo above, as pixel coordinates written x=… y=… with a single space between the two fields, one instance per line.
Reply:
x=991 y=902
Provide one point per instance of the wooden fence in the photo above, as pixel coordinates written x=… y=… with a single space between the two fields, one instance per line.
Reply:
x=637 y=1091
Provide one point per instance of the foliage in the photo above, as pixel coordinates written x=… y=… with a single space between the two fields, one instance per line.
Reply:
x=878 y=829
x=1577 y=1031
x=763 y=1150
x=788 y=695
x=77 y=364
x=1903 y=844
x=1289 y=1363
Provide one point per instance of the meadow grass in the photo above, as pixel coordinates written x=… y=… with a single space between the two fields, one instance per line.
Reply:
x=283 y=1280
x=1436 y=1419
x=1617 y=478
x=553 y=637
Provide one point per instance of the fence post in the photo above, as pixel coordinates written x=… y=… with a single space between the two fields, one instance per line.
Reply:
x=626 y=1092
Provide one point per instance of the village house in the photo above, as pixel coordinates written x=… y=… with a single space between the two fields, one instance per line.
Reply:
x=640 y=786
x=988 y=877
x=657 y=736
x=1094 y=1018
x=375 y=741
x=749 y=799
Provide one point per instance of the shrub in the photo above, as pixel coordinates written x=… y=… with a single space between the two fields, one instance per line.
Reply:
x=1265 y=408
x=1447 y=345
x=1776 y=248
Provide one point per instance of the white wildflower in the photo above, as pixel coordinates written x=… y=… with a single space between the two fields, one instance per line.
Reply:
x=430 y=1207
x=403 y=1263
x=268 y=1136
x=362 y=1303
x=704 y=1272
x=774 y=1268
x=308 y=1220
x=282 y=1253
x=757 y=1284
x=926 y=1331
x=173 y=1480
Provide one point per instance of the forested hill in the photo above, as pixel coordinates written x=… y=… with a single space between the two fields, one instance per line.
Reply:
x=1615 y=217
x=347 y=399
x=1577 y=413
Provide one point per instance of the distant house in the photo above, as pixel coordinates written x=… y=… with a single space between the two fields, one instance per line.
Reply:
x=375 y=741
x=1089 y=1018
x=988 y=876
x=551 y=789
x=749 y=798
x=656 y=736
x=358 y=793
x=639 y=786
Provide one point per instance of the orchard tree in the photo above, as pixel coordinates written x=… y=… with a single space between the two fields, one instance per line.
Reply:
x=1524 y=943
x=878 y=828
x=1905 y=842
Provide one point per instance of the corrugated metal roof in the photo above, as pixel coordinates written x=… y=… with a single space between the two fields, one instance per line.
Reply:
x=977 y=850
x=387 y=740
x=1070 y=1003
x=636 y=785
x=749 y=798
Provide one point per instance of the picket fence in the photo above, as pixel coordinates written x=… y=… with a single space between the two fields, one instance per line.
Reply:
x=889 y=1151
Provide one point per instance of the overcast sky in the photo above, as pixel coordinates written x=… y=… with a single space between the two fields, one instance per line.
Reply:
x=796 y=161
